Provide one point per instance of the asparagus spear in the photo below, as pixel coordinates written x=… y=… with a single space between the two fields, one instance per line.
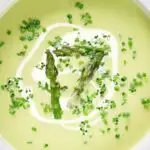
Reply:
x=88 y=71
x=68 y=51
x=52 y=73
x=81 y=50
x=63 y=52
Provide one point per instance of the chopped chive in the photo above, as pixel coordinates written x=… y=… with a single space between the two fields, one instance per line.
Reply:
x=1 y=62
x=116 y=88
x=81 y=62
x=79 y=5
x=123 y=44
x=47 y=108
x=22 y=38
x=29 y=29
x=124 y=98
x=25 y=46
x=13 y=88
x=112 y=104
x=84 y=127
x=2 y=43
x=116 y=129
x=75 y=29
x=85 y=142
x=102 y=131
x=130 y=42
x=74 y=70
x=125 y=114
x=21 y=53
x=126 y=128
x=115 y=120
x=34 y=129
x=9 y=32
x=43 y=29
x=123 y=49
x=64 y=88
x=76 y=110
x=108 y=129
x=146 y=103
x=124 y=62
x=134 y=54
x=29 y=142
x=45 y=146
x=40 y=66
x=69 y=18
x=117 y=136
x=138 y=82
x=86 y=18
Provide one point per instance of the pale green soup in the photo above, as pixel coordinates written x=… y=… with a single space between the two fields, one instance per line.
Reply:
x=115 y=16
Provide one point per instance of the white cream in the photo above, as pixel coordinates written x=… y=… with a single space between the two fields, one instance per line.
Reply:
x=39 y=75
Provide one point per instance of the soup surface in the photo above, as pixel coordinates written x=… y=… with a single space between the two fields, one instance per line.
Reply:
x=129 y=33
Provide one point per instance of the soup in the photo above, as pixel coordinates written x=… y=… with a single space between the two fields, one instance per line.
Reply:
x=74 y=75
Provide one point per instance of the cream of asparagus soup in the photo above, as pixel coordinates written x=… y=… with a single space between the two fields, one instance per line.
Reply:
x=74 y=75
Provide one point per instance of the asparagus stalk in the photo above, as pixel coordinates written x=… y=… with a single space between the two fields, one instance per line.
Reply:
x=88 y=72
x=63 y=52
x=68 y=51
x=52 y=73
x=79 y=50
